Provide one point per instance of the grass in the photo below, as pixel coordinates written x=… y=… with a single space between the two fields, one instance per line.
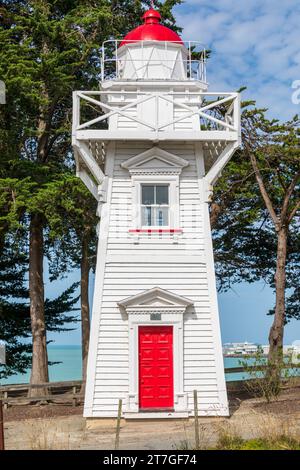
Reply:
x=235 y=442
x=45 y=435
x=227 y=442
x=264 y=431
x=252 y=431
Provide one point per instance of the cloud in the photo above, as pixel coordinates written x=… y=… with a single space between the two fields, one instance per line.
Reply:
x=254 y=43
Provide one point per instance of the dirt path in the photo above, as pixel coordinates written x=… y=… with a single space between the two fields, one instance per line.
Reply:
x=250 y=418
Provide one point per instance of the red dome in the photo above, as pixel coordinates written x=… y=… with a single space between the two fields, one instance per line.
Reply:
x=152 y=30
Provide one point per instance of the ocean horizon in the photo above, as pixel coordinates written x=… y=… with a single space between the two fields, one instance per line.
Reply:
x=67 y=366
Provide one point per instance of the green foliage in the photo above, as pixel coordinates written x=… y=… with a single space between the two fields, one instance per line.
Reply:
x=227 y=439
x=266 y=378
x=48 y=49
x=15 y=327
x=260 y=373
x=228 y=442
x=71 y=215
x=245 y=240
x=14 y=314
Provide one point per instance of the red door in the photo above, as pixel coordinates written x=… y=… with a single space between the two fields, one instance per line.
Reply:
x=156 y=367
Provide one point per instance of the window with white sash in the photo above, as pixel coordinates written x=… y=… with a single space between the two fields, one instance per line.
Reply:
x=155 y=202
x=155 y=176
x=155 y=205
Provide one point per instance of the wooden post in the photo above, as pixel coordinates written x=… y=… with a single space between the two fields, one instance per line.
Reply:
x=5 y=395
x=118 y=425
x=74 y=397
x=196 y=421
x=1 y=427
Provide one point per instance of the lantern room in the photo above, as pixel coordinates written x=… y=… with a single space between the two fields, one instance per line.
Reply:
x=153 y=51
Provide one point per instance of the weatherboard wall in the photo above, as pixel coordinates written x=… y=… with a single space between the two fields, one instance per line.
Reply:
x=127 y=266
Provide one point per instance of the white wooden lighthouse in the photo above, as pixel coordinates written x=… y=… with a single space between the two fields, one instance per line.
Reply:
x=149 y=146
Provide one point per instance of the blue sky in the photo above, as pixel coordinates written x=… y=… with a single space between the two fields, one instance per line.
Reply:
x=242 y=314
x=254 y=43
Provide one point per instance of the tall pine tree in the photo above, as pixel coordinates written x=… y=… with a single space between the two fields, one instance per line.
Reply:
x=48 y=50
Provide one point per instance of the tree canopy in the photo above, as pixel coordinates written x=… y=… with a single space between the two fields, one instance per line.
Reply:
x=256 y=216
x=49 y=49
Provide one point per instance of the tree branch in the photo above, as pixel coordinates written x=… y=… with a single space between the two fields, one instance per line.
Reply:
x=288 y=194
x=293 y=212
x=262 y=188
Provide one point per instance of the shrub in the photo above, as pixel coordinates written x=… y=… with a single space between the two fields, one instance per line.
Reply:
x=236 y=443
x=265 y=378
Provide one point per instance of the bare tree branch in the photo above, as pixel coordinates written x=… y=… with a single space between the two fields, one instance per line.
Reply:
x=293 y=212
x=262 y=188
x=287 y=197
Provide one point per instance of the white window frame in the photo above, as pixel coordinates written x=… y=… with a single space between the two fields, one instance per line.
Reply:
x=155 y=206
x=173 y=182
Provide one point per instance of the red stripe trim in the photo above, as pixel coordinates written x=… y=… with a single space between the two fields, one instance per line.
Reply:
x=156 y=230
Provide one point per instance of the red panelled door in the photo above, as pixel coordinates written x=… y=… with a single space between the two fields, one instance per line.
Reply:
x=156 y=390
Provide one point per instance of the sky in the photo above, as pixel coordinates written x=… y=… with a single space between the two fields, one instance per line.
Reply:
x=254 y=43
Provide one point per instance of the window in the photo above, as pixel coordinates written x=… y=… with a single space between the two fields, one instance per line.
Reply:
x=155 y=180
x=155 y=202
x=155 y=205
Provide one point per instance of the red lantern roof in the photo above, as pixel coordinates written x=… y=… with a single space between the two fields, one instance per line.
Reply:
x=151 y=30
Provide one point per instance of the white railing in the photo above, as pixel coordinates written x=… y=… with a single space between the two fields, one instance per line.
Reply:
x=195 y=68
x=216 y=111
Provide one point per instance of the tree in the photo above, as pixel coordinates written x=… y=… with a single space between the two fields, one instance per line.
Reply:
x=48 y=50
x=255 y=216
x=71 y=215
x=274 y=151
x=14 y=315
x=15 y=328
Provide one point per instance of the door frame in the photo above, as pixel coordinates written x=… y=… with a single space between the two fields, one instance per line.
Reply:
x=155 y=328
x=167 y=319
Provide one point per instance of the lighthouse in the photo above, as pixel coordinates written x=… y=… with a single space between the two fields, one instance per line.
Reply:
x=149 y=145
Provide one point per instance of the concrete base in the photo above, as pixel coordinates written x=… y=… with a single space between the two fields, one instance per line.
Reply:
x=93 y=423
x=156 y=415
x=111 y=423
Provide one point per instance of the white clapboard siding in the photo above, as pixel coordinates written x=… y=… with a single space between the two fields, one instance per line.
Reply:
x=122 y=368
x=125 y=276
x=183 y=124
x=126 y=121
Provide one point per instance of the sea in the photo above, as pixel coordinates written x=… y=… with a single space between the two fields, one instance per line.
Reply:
x=67 y=366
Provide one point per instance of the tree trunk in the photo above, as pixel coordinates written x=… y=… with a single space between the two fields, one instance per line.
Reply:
x=85 y=308
x=215 y=211
x=39 y=370
x=277 y=328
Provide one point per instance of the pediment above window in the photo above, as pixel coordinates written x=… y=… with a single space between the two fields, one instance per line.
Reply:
x=155 y=161
x=155 y=300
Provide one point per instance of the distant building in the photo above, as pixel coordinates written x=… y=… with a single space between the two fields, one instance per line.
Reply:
x=243 y=349
x=293 y=351
x=240 y=349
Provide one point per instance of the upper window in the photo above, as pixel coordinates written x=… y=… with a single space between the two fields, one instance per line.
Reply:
x=155 y=205
x=155 y=190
